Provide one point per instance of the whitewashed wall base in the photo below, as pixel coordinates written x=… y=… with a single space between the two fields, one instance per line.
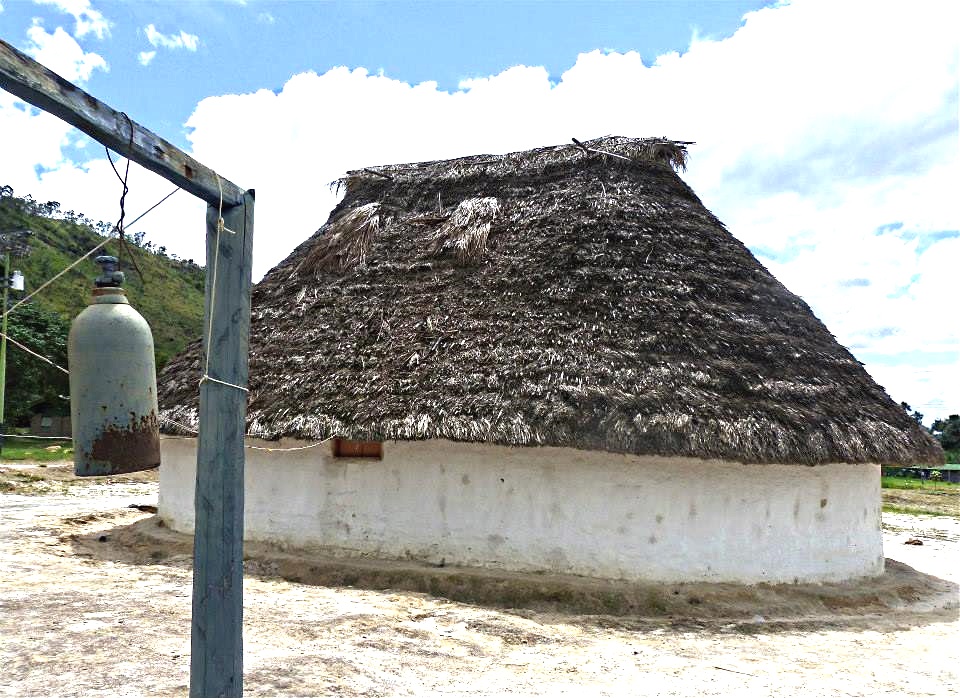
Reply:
x=557 y=510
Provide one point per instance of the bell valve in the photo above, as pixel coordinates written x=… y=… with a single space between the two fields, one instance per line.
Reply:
x=110 y=274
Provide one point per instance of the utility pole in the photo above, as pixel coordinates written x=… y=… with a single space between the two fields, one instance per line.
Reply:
x=8 y=240
x=216 y=662
x=3 y=345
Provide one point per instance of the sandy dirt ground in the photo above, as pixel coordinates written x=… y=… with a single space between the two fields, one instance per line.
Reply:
x=88 y=607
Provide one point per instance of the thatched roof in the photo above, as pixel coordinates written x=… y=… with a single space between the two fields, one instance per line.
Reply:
x=579 y=295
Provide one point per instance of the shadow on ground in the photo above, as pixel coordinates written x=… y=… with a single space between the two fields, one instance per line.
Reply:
x=902 y=596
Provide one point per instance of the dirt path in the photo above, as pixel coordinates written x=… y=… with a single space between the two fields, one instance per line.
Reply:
x=77 y=623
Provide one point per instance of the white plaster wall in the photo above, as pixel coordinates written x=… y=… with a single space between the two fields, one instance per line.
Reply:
x=563 y=510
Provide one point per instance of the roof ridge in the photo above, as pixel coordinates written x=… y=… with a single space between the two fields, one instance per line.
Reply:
x=623 y=148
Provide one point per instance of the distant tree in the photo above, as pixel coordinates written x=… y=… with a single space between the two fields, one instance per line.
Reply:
x=939 y=424
x=950 y=432
x=918 y=416
x=8 y=201
x=30 y=381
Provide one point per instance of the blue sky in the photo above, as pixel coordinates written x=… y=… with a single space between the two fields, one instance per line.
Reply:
x=248 y=46
x=826 y=133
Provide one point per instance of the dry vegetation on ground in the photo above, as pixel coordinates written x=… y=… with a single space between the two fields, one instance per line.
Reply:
x=58 y=478
x=936 y=501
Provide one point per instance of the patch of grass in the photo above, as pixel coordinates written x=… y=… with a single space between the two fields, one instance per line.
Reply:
x=916 y=511
x=890 y=482
x=20 y=450
x=35 y=482
x=652 y=602
x=26 y=477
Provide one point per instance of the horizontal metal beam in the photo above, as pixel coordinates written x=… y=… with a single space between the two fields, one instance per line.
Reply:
x=22 y=76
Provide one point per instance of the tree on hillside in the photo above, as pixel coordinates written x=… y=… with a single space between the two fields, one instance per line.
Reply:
x=31 y=382
x=918 y=416
x=949 y=429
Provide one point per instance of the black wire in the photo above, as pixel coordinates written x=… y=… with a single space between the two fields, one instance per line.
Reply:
x=123 y=196
x=115 y=170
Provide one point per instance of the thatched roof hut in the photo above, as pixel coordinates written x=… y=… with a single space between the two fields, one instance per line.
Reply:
x=552 y=361
x=572 y=296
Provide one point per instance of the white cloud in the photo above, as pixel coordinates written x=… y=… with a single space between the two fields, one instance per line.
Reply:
x=146 y=56
x=826 y=133
x=266 y=18
x=189 y=42
x=62 y=54
x=88 y=20
x=930 y=390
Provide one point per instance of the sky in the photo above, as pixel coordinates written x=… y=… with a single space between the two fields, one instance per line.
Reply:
x=826 y=133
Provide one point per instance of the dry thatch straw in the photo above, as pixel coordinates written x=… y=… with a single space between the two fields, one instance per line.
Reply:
x=612 y=311
x=665 y=151
x=465 y=233
x=347 y=241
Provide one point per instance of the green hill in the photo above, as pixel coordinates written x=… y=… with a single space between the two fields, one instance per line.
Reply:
x=170 y=296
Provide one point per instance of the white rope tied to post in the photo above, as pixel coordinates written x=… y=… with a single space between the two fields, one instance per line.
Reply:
x=220 y=223
x=206 y=377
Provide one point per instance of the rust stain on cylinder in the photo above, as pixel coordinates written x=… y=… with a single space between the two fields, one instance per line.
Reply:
x=128 y=449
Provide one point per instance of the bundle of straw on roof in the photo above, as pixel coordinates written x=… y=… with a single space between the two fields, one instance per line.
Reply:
x=465 y=233
x=347 y=241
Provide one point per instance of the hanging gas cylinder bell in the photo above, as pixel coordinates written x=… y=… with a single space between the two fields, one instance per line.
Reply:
x=113 y=382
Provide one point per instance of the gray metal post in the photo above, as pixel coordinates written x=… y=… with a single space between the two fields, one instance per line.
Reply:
x=3 y=344
x=216 y=659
